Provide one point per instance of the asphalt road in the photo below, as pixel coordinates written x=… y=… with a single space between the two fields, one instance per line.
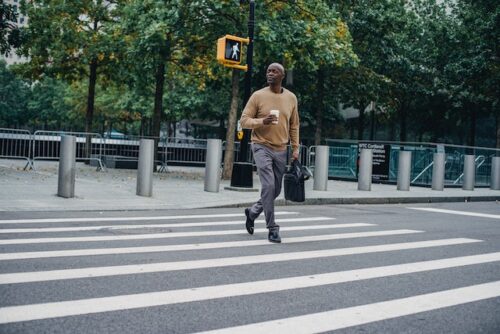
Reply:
x=349 y=269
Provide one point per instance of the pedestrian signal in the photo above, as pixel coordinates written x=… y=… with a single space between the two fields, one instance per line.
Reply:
x=239 y=135
x=229 y=51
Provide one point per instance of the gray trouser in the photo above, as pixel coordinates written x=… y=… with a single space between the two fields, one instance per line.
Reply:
x=271 y=166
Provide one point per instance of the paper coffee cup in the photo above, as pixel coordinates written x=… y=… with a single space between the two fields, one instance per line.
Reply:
x=277 y=114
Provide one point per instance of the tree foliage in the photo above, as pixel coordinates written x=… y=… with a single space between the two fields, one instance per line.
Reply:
x=426 y=65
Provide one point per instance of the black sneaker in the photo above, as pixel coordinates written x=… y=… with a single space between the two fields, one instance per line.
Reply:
x=274 y=236
x=249 y=224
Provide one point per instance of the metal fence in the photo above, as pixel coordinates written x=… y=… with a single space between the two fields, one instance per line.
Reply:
x=16 y=144
x=343 y=154
x=343 y=161
x=125 y=152
x=178 y=151
x=46 y=146
x=170 y=150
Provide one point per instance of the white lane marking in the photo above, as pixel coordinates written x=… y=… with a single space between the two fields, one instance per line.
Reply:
x=94 y=228
x=455 y=212
x=109 y=219
x=169 y=235
x=51 y=275
x=126 y=302
x=363 y=314
x=198 y=246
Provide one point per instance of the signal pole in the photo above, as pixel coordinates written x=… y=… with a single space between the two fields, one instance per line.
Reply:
x=242 y=170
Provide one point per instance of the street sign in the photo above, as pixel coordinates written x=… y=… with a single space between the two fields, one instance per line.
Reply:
x=229 y=51
x=381 y=159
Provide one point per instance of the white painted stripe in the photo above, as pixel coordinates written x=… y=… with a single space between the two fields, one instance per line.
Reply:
x=197 y=246
x=169 y=235
x=161 y=298
x=122 y=227
x=109 y=219
x=52 y=275
x=358 y=315
x=454 y=212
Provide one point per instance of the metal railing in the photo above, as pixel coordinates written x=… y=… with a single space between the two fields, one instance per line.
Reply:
x=126 y=151
x=46 y=146
x=481 y=159
x=344 y=155
x=171 y=150
x=341 y=160
x=185 y=151
x=16 y=144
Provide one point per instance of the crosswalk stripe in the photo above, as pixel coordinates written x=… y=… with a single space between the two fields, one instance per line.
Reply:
x=108 y=219
x=199 y=224
x=126 y=302
x=363 y=314
x=169 y=235
x=42 y=276
x=197 y=246
x=455 y=212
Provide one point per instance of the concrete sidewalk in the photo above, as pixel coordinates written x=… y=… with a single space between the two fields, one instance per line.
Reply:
x=183 y=188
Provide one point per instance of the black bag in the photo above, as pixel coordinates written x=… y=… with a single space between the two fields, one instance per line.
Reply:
x=294 y=182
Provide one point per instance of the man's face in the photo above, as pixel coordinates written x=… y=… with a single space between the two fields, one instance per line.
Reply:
x=274 y=74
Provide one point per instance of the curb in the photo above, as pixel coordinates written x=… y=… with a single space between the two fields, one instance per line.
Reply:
x=373 y=200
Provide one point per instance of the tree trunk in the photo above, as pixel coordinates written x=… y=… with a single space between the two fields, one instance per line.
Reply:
x=222 y=128
x=498 y=132
x=472 y=129
x=90 y=104
x=143 y=125
x=392 y=129
x=158 y=107
x=361 y=120
x=402 y=123
x=320 y=93
x=231 y=126
x=372 y=121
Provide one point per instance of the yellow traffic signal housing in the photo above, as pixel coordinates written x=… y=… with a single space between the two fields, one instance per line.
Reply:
x=229 y=51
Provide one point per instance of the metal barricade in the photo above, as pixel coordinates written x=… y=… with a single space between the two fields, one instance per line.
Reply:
x=303 y=153
x=343 y=157
x=341 y=162
x=16 y=144
x=185 y=151
x=89 y=146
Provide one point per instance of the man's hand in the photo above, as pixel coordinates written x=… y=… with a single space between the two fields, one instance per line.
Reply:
x=270 y=119
x=295 y=155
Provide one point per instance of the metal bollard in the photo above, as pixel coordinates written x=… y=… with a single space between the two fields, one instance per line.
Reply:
x=321 y=168
x=212 y=165
x=495 y=173
x=469 y=172
x=145 y=168
x=67 y=165
x=404 y=170
x=365 y=169
x=438 y=171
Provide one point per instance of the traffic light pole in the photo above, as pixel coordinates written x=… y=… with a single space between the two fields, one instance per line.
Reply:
x=242 y=170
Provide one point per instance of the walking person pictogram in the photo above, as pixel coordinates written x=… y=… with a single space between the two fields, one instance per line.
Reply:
x=235 y=55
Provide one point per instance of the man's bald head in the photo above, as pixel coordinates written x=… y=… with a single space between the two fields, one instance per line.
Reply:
x=278 y=66
x=275 y=74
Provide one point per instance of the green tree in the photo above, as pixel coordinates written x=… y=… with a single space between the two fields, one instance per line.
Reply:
x=473 y=69
x=47 y=105
x=14 y=93
x=70 y=40
x=9 y=31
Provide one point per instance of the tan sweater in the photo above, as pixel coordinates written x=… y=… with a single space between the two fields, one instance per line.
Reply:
x=274 y=136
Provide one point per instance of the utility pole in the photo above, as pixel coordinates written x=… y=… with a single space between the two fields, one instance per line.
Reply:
x=242 y=170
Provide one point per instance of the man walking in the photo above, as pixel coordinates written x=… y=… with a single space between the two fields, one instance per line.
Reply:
x=272 y=114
